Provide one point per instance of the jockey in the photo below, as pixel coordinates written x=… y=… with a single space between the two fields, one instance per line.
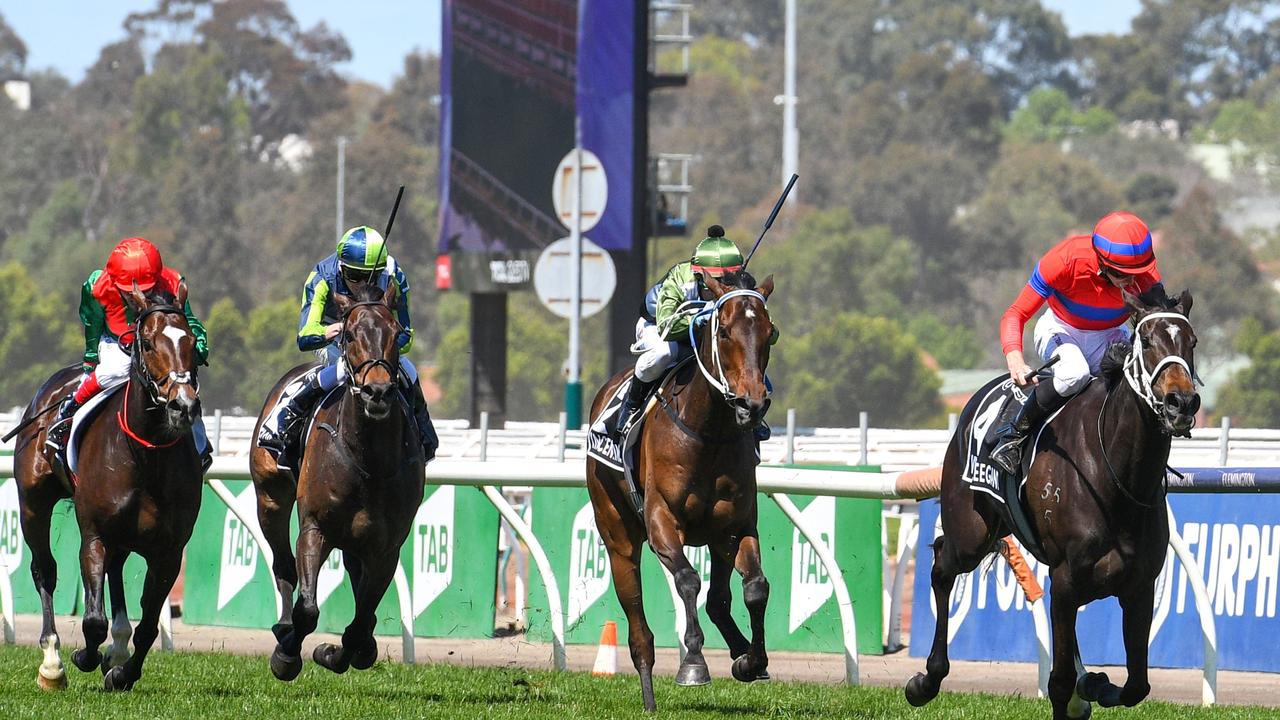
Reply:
x=361 y=256
x=133 y=262
x=1081 y=278
x=662 y=332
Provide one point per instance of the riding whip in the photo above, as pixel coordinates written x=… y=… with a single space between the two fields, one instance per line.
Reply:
x=769 y=223
x=394 y=208
x=26 y=423
x=1052 y=361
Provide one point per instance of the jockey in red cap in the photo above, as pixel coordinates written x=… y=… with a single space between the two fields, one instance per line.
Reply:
x=134 y=262
x=1081 y=278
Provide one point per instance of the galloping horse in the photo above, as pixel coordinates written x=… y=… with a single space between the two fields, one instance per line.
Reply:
x=1095 y=493
x=358 y=488
x=696 y=467
x=137 y=490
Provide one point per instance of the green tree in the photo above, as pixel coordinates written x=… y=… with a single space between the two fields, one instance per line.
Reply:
x=39 y=335
x=1048 y=116
x=855 y=363
x=13 y=52
x=1252 y=397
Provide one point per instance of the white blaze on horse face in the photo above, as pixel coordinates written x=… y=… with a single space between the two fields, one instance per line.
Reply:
x=751 y=314
x=174 y=334
x=1173 y=332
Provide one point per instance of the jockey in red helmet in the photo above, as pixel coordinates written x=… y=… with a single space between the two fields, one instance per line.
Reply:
x=134 y=262
x=1082 y=279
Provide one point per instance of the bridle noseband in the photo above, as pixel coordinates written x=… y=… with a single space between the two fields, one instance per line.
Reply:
x=719 y=381
x=358 y=371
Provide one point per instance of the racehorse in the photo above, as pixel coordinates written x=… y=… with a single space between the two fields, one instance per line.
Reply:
x=696 y=466
x=137 y=490
x=1095 y=492
x=358 y=488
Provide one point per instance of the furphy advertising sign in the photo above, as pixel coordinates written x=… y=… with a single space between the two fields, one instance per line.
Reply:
x=1235 y=540
x=802 y=608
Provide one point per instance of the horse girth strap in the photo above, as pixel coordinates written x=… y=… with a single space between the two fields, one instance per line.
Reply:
x=674 y=414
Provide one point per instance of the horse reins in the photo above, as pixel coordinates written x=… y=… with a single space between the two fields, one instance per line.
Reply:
x=720 y=383
x=1141 y=381
x=187 y=377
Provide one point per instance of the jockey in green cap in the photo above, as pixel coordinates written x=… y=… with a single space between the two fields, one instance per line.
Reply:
x=662 y=332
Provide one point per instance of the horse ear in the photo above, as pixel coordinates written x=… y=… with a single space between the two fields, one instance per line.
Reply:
x=391 y=296
x=766 y=287
x=136 y=300
x=1135 y=305
x=716 y=287
x=1184 y=302
x=181 y=298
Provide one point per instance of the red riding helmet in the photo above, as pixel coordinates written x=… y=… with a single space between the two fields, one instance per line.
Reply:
x=134 y=260
x=1123 y=243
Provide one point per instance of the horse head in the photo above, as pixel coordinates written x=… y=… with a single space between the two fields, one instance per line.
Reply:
x=1161 y=366
x=164 y=355
x=737 y=336
x=369 y=347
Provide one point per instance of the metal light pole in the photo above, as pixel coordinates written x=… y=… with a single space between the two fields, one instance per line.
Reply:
x=790 y=136
x=573 y=384
x=342 y=172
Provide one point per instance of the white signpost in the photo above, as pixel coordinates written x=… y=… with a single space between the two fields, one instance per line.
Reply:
x=552 y=274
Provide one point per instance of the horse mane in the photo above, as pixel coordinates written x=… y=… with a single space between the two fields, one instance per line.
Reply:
x=1113 y=359
x=365 y=292
x=740 y=279
x=1157 y=299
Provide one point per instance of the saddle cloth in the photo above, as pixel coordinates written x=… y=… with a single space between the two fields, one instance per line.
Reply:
x=997 y=403
x=80 y=424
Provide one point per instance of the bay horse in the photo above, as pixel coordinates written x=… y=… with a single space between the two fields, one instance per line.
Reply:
x=358 y=488
x=137 y=490
x=696 y=468
x=1095 y=492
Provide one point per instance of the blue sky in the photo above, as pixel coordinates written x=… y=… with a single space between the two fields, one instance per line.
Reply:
x=380 y=32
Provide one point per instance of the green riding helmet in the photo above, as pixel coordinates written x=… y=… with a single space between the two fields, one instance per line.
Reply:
x=716 y=255
x=362 y=250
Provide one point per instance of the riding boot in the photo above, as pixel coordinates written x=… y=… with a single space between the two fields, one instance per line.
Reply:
x=636 y=394
x=426 y=429
x=290 y=423
x=56 y=438
x=1040 y=404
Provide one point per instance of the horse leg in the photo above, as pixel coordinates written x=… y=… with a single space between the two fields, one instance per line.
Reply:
x=359 y=649
x=275 y=505
x=947 y=565
x=118 y=653
x=286 y=660
x=755 y=595
x=1064 y=678
x=720 y=599
x=162 y=572
x=667 y=540
x=1137 y=610
x=627 y=585
x=44 y=573
x=93 y=561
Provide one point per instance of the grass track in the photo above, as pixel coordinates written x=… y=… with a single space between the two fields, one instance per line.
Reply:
x=209 y=686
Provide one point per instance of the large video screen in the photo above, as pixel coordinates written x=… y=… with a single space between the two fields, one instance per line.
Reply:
x=512 y=83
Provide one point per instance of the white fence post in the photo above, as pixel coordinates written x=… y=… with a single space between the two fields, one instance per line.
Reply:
x=863 y=453
x=791 y=436
x=484 y=436
x=1224 y=441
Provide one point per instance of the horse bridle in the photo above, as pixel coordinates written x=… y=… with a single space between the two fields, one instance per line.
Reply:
x=358 y=371
x=718 y=381
x=150 y=383
x=1143 y=380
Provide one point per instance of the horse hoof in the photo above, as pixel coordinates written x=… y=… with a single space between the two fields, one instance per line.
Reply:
x=53 y=684
x=280 y=630
x=329 y=657
x=1085 y=714
x=693 y=674
x=114 y=681
x=109 y=661
x=284 y=667
x=1091 y=686
x=86 y=661
x=742 y=670
x=920 y=691
x=364 y=658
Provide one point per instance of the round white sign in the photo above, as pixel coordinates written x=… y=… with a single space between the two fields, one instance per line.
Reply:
x=595 y=190
x=553 y=274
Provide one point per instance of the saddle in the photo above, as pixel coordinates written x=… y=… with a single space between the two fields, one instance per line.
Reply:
x=68 y=457
x=996 y=404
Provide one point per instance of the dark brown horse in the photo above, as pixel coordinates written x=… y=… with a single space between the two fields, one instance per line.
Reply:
x=696 y=468
x=359 y=487
x=1095 y=493
x=137 y=491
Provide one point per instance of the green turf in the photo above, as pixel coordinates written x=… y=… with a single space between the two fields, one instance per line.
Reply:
x=208 y=686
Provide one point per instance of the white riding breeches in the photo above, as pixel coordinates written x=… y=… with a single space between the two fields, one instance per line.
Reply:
x=656 y=354
x=1079 y=352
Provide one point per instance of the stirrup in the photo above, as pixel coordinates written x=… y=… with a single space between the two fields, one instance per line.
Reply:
x=1007 y=446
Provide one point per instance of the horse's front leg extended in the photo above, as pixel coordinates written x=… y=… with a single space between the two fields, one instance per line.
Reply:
x=1137 y=630
x=755 y=595
x=1067 y=702
x=93 y=568
x=162 y=572
x=313 y=550
x=666 y=537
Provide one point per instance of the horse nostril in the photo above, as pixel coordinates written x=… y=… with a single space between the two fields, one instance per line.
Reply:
x=1173 y=402
x=1194 y=406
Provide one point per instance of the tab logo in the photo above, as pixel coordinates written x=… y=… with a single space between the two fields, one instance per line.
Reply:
x=10 y=529
x=433 y=548
x=810 y=584
x=239 y=551
x=588 y=564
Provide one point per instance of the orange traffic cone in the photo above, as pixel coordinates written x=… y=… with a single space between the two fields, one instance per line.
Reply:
x=607 y=655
